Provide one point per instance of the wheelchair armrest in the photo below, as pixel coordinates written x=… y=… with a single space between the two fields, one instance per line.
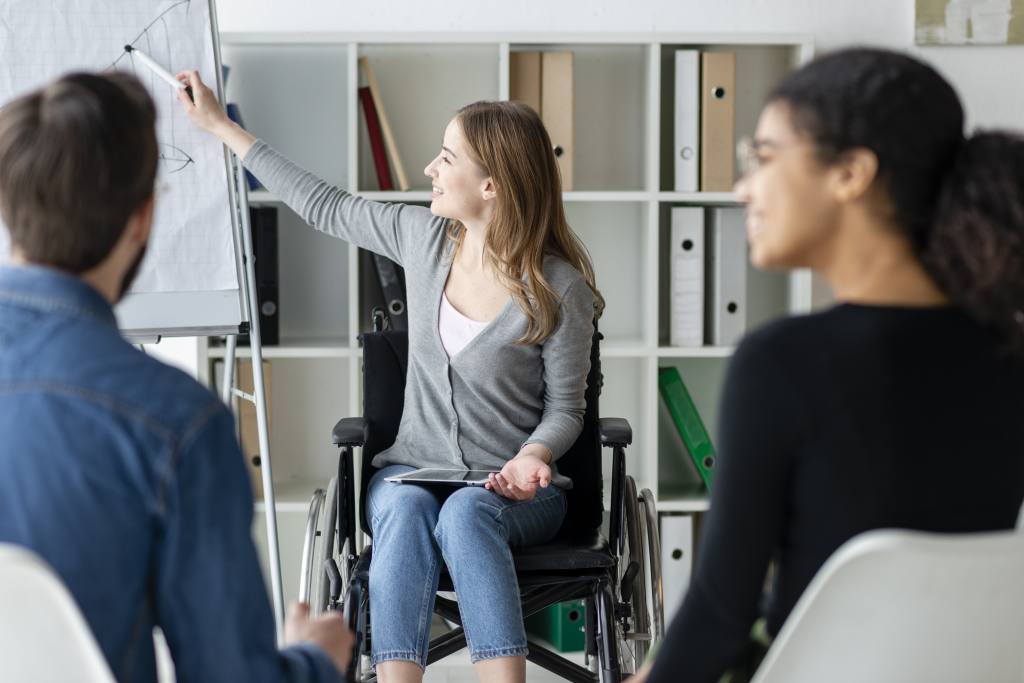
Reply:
x=350 y=431
x=615 y=431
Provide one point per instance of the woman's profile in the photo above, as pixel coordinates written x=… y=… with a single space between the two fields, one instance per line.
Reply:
x=901 y=405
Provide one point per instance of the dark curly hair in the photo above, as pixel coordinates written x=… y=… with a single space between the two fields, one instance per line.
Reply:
x=960 y=200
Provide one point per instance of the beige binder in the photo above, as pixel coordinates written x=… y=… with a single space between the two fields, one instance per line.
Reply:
x=717 y=121
x=247 y=422
x=557 y=104
x=524 y=78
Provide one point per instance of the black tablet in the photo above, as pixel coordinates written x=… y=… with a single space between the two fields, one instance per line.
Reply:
x=442 y=476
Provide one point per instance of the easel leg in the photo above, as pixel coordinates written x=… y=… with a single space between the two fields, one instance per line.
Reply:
x=259 y=396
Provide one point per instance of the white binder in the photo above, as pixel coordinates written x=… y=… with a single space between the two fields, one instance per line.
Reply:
x=676 y=560
x=687 y=121
x=727 y=258
x=686 y=277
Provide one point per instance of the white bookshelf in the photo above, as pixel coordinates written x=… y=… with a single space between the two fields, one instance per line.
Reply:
x=298 y=91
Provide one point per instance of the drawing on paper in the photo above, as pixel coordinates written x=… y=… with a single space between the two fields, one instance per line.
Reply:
x=192 y=245
x=155 y=41
x=969 y=22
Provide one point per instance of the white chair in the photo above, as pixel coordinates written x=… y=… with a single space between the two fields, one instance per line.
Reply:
x=43 y=636
x=911 y=607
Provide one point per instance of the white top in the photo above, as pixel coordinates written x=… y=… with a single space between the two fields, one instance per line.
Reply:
x=456 y=329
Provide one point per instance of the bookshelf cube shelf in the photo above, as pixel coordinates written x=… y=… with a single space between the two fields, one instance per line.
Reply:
x=314 y=270
x=769 y=295
x=296 y=97
x=758 y=69
x=624 y=396
x=677 y=478
x=610 y=90
x=421 y=88
x=616 y=235
x=299 y=92
x=301 y=444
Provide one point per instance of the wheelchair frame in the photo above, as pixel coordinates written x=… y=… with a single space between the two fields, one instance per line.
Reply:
x=624 y=597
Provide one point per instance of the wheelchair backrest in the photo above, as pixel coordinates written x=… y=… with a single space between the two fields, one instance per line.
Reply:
x=385 y=355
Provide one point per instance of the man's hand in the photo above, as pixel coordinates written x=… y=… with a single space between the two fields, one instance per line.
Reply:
x=329 y=632
x=641 y=675
x=521 y=475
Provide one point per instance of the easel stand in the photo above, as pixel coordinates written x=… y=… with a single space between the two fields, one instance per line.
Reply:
x=259 y=396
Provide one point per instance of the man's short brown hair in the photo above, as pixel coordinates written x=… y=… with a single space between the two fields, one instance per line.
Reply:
x=77 y=157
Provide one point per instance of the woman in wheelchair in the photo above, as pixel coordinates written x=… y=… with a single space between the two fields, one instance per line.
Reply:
x=502 y=303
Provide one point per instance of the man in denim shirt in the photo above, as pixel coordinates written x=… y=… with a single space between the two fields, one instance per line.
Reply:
x=122 y=473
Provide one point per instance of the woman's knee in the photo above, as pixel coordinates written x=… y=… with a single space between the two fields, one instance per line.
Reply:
x=467 y=513
x=402 y=504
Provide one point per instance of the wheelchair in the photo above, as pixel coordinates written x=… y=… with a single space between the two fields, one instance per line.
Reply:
x=609 y=560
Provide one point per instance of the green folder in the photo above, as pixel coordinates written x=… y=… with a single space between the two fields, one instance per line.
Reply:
x=691 y=427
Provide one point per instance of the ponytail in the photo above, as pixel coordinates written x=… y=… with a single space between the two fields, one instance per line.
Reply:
x=960 y=203
x=975 y=248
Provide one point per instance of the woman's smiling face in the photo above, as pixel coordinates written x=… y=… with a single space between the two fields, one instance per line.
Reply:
x=459 y=184
x=790 y=211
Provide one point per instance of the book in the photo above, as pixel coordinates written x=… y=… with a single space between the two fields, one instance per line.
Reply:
x=392 y=285
x=727 y=267
x=686 y=270
x=717 y=121
x=676 y=560
x=544 y=81
x=557 y=105
x=381 y=286
x=380 y=159
x=385 y=126
x=263 y=227
x=524 y=79
x=689 y=423
x=247 y=426
x=687 y=121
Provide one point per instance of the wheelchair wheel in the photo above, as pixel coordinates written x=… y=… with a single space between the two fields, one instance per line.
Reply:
x=657 y=593
x=328 y=543
x=309 y=574
x=634 y=626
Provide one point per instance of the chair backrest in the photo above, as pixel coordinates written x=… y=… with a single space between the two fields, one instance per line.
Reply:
x=911 y=607
x=385 y=356
x=43 y=636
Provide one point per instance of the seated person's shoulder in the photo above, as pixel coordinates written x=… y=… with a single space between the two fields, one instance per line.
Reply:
x=561 y=274
x=791 y=337
x=150 y=388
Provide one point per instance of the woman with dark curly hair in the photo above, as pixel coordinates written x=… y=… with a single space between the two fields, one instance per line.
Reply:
x=902 y=405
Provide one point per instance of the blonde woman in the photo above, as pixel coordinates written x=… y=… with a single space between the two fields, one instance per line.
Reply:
x=502 y=303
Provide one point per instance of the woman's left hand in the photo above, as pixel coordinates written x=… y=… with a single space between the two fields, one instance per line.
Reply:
x=521 y=475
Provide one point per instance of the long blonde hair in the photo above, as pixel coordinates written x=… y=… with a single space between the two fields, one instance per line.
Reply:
x=509 y=141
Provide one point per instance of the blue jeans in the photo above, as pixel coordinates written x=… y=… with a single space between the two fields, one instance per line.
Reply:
x=471 y=529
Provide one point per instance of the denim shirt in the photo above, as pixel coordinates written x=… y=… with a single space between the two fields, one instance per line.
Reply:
x=125 y=475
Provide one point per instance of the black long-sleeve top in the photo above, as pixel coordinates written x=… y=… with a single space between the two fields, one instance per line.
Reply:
x=855 y=418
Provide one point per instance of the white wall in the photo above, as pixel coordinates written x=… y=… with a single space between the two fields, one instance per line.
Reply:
x=181 y=352
x=988 y=78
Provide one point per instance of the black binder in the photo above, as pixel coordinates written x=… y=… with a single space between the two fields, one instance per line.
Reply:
x=382 y=285
x=263 y=222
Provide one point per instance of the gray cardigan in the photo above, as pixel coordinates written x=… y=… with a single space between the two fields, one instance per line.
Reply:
x=477 y=409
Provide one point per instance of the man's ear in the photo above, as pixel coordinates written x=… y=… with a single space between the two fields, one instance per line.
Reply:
x=140 y=223
x=853 y=174
x=487 y=190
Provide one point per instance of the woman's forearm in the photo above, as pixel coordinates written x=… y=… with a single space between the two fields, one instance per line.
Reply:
x=238 y=139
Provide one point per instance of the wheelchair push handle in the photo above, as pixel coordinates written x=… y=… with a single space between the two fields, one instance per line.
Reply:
x=334 y=577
